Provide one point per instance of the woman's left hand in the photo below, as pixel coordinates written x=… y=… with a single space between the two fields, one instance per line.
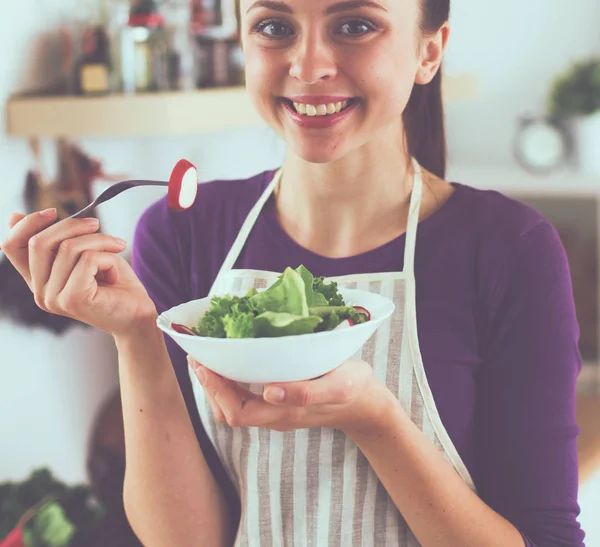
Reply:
x=349 y=398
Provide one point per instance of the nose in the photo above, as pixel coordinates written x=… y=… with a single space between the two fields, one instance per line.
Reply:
x=312 y=61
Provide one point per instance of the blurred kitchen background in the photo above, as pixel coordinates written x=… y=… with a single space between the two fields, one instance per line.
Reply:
x=95 y=91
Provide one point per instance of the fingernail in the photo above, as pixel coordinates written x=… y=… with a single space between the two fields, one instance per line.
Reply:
x=275 y=394
x=91 y=221
x=48 y=213
x=120 y=242
x=201 y=375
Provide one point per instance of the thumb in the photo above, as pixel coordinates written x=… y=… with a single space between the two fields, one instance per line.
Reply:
x=328 y=389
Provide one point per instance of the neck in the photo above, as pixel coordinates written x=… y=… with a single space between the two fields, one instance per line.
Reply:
x=346 y=207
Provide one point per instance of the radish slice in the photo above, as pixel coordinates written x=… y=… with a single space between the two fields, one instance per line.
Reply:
x=183 y=186
x=182 y=329
x=362 y=310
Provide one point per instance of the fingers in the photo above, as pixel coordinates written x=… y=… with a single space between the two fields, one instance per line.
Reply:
x=14 y=219
x=82 y=288
x=217 y=412
x=68 y=255
x=44 y=247
x=329 y=389
x=23 y=228
x=239 y=407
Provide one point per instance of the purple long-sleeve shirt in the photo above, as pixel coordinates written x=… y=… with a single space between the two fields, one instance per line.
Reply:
x=496 y=320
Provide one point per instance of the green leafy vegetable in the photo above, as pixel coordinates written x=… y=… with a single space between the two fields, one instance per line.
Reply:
x=313 y=298
x=70 y=516
x=212 y=324
x=286 y=295
x=239 y=324
x=51 y=528
x=329 y=291
x=271 y=324
x=297 y=303
x=333 y=315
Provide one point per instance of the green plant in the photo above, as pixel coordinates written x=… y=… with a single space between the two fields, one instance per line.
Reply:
x=51 y=513
x=577 y=91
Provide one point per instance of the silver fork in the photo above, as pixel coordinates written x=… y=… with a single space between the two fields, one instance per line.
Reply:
x=115 y=190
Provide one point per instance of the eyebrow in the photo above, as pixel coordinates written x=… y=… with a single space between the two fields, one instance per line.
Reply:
x=335 y=8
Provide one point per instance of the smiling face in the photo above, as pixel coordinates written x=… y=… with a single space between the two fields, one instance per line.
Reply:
x=331 y=77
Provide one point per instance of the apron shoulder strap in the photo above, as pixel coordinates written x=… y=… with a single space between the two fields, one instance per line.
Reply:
x=244 y=232
x=413 y=219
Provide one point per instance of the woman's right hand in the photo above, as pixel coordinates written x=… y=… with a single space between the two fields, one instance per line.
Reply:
x=73 y=271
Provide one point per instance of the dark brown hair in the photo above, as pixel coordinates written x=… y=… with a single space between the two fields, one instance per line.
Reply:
x=424 y=114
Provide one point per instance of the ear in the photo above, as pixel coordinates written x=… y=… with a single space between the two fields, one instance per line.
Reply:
x=432 y=54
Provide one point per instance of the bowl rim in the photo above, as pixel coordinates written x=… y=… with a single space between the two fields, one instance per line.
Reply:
x=162 y=319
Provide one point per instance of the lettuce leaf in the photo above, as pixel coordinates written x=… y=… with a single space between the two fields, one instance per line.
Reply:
x=297 y=303
x=329 y=291
x=272 y=324
x=239 y=324
x=313 y=299
x=286 y=295
x=333 y=315
x=212 y=323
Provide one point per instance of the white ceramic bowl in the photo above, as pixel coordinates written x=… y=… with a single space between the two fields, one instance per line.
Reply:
x=284 y=359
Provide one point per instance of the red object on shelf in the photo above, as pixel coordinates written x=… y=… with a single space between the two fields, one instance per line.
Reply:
x=14 y=539
x=150 y=20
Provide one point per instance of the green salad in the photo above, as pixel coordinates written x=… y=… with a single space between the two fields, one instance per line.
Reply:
x=297 y=303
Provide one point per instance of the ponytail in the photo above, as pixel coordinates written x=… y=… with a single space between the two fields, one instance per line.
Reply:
x=423 y=118
x=425 y=127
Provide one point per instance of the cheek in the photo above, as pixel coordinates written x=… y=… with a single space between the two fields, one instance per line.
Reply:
x=262 y=75
x=384 y=75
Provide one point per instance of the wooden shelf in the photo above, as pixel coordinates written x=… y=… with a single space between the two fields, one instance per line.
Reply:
x=147 y=114
x=154 y=114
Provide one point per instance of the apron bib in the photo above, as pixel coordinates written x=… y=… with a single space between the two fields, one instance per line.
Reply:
x=313 y=487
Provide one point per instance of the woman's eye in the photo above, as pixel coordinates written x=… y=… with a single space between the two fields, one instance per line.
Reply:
x=356 y=27
x=272 y=29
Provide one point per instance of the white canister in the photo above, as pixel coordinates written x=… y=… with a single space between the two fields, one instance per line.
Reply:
x=586 y=140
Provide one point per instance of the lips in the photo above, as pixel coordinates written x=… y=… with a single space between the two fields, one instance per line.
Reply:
x=318 y=112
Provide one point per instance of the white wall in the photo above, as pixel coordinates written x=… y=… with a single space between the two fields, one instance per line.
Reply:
x=516 y=48
x=51 y=387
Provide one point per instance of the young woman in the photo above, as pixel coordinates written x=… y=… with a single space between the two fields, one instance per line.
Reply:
x=456 y=428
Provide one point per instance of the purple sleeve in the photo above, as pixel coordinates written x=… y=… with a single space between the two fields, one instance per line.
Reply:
x=525 y=424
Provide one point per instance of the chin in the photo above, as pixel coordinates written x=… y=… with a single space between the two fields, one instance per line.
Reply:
x=316 y=154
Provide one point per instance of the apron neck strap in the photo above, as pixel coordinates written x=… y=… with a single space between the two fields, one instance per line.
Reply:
x=413 y=219
x=411 y=229
x=244 y=232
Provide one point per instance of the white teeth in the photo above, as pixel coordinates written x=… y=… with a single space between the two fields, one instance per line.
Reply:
x=320 y=109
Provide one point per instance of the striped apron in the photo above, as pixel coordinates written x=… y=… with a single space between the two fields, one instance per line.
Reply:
x=314 y=487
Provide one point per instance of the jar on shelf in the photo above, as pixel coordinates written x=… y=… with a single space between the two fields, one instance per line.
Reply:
x=182 y=66
x=220 y=62
x=144 y=53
